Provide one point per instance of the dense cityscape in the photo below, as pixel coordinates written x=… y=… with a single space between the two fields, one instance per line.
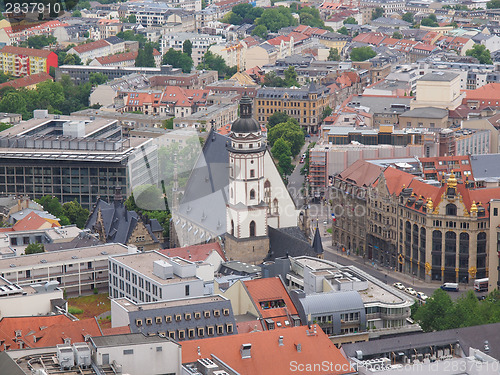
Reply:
x=226 y=187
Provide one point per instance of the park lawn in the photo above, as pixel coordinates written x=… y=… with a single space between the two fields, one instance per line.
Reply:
x=92 y=305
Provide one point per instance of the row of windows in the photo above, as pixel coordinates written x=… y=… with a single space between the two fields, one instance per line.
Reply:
x=200 y=332
x=178 y=317
x=285 y=103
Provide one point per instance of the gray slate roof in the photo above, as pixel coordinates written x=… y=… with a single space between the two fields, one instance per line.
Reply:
x=439 y=76
x=467 y=337
x=285 y=242
x=427 y=112
x=484 y=166
x=119 y=223
x=331 y=302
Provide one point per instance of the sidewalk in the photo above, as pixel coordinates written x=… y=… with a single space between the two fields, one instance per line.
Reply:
x=404 y=278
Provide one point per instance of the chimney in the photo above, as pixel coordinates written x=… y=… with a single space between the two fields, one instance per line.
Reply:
x=245 y=351
x=280 y=341
x=298 y=346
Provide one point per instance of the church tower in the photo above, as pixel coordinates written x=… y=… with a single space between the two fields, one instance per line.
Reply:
x=246 y=238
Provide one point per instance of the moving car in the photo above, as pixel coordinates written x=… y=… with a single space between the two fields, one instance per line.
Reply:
x=422 y=296
x=450 y=287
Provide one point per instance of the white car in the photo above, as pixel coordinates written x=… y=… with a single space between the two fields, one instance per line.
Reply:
x=411 y=291
x=422 y=296
x=399 y=286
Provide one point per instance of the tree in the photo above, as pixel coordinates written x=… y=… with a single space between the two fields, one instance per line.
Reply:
x=34 y=248
x=343 y=30
x=76 y=13
x=247 y=12
x=480 y=52
x=291 y=132
x=333 y=55
x=130 y=35
x=397 y=35
x=350 y=21
x=277 y=118
x=260 y=31
x=276 y=18
x=310 y=16
x=271 y=79
x=40 y=41
x=326 y=112
x=187 y=47
x=14 y=102
x=435 y=314
x=75 y=213
x=97 y=79
x=132 y=19
x=281 y=152
x=362 y=53
x=430 y=21
x=408 y=17
x=232 y=18
x=145 y=57
x=168 y=123
x=291 y=77
x=377 y=13
x=178 y=59
x=212 y=61
x=493 y=4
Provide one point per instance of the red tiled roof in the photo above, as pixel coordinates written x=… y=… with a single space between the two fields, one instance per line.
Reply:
x=116 y=331
x=26 y=51
x=156 y=52
x=33 y=79
x=31 y=222
x=395 y=179
x=270 y=289
x=195 y=253
x=361 y=173
x=91 y=46
x=488 y=92
x=370 y=38
x=249 y=326
x=267 y=356
x=119 y=57
x=44 y=331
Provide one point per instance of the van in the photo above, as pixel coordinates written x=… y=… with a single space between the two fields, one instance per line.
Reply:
x=451 y=287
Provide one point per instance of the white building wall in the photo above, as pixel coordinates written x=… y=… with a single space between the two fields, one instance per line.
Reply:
x=28 y=305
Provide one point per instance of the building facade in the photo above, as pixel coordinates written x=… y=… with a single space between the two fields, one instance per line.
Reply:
x=19 y=61
x=306 y=105
x=180 y=319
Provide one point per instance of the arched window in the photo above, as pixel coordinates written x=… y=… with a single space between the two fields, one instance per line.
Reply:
x=464 y=243
x=252 y=228
x=275 y=206
x=450 y=242
x=451 y=209
x=267 y=195
x=481 y=243
x=232 y=228
x=252 y=194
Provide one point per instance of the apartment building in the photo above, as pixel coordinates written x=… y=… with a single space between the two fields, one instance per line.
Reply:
x=181 y=319
x=200 y=43
x=76 y=270
x=20 y=61
x=152 y=276
x=305 y=104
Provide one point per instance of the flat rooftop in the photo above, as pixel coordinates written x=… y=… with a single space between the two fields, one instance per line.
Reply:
x=131 y=306
x=48 y=259
x=143 y=263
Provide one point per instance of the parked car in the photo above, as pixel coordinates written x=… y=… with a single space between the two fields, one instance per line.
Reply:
x=422 y=296
x=411 y=291
x=399 y=286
